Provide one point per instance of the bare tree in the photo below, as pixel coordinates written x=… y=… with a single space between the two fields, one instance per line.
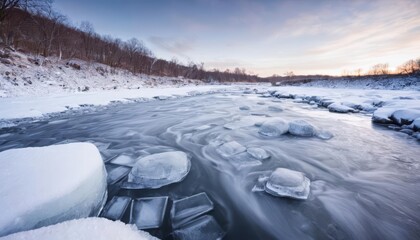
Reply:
x=358 y=72
x=48 y=22
x=6 y=6
x=409 y=67
x=88 y=38
x=289 y=74
x=379 y=69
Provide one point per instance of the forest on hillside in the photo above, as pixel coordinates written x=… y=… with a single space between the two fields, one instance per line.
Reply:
x=34 y=27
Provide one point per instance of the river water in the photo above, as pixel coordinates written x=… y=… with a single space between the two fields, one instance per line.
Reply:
x=365 y=181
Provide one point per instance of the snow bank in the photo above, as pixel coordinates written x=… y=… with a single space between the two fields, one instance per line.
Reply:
x=386 y=106
x=30 y=106
x=84 y=229
x=46 y=185
x=391 y=82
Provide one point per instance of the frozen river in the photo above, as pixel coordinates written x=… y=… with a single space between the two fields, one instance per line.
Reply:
x=364 y=181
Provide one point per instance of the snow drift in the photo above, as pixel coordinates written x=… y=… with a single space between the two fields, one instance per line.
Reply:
x=46 y=185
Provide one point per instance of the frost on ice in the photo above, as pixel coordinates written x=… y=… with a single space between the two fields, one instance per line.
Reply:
x=284 y=182
x=46 y=185
x=157 y=170
x=301 y=128
x=84 y=229
x=274 y=127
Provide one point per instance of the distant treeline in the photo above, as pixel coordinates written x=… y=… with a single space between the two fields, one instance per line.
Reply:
x=32 y=26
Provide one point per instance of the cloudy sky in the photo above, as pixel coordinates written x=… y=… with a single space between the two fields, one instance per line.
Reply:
x=265 y=37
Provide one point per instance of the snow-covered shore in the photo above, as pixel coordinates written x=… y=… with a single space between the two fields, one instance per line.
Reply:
x=37 y=106
x=27 y=75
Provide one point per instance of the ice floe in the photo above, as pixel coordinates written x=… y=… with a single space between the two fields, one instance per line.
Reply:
x=157 y=170
x=230 y=148
x=274 y=127
x=186 y=209
x=301 y=128
x=115 y=209
x=148 y=212
x=258 y=153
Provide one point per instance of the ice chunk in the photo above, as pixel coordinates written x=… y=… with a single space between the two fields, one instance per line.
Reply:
x=258 y=153
x=230 y=148
x=325 y=135
x=203 y=127
x=405 y=116
x=100 y=145
x=244 y=108
x=46 y=185
x=84 y=229
x=367 y=107
x=243 y=160
x=262 y=180
x=301 y=128
x=243 y=122
x=284 y=182
x=416 y=124
x=407 y=131
x=275 y=109
x=259 y=114
x=116 y=208
x=382 y=115
x=124 y=160
x=266 y=95
x=203 y=228
x=116 y=173
x=340 y=108
x=326 y=102
x=183 y=210
x=274 y=127
x=157 y=170
x=148 y=212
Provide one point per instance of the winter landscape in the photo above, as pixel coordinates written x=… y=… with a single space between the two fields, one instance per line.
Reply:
x=209 y=119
